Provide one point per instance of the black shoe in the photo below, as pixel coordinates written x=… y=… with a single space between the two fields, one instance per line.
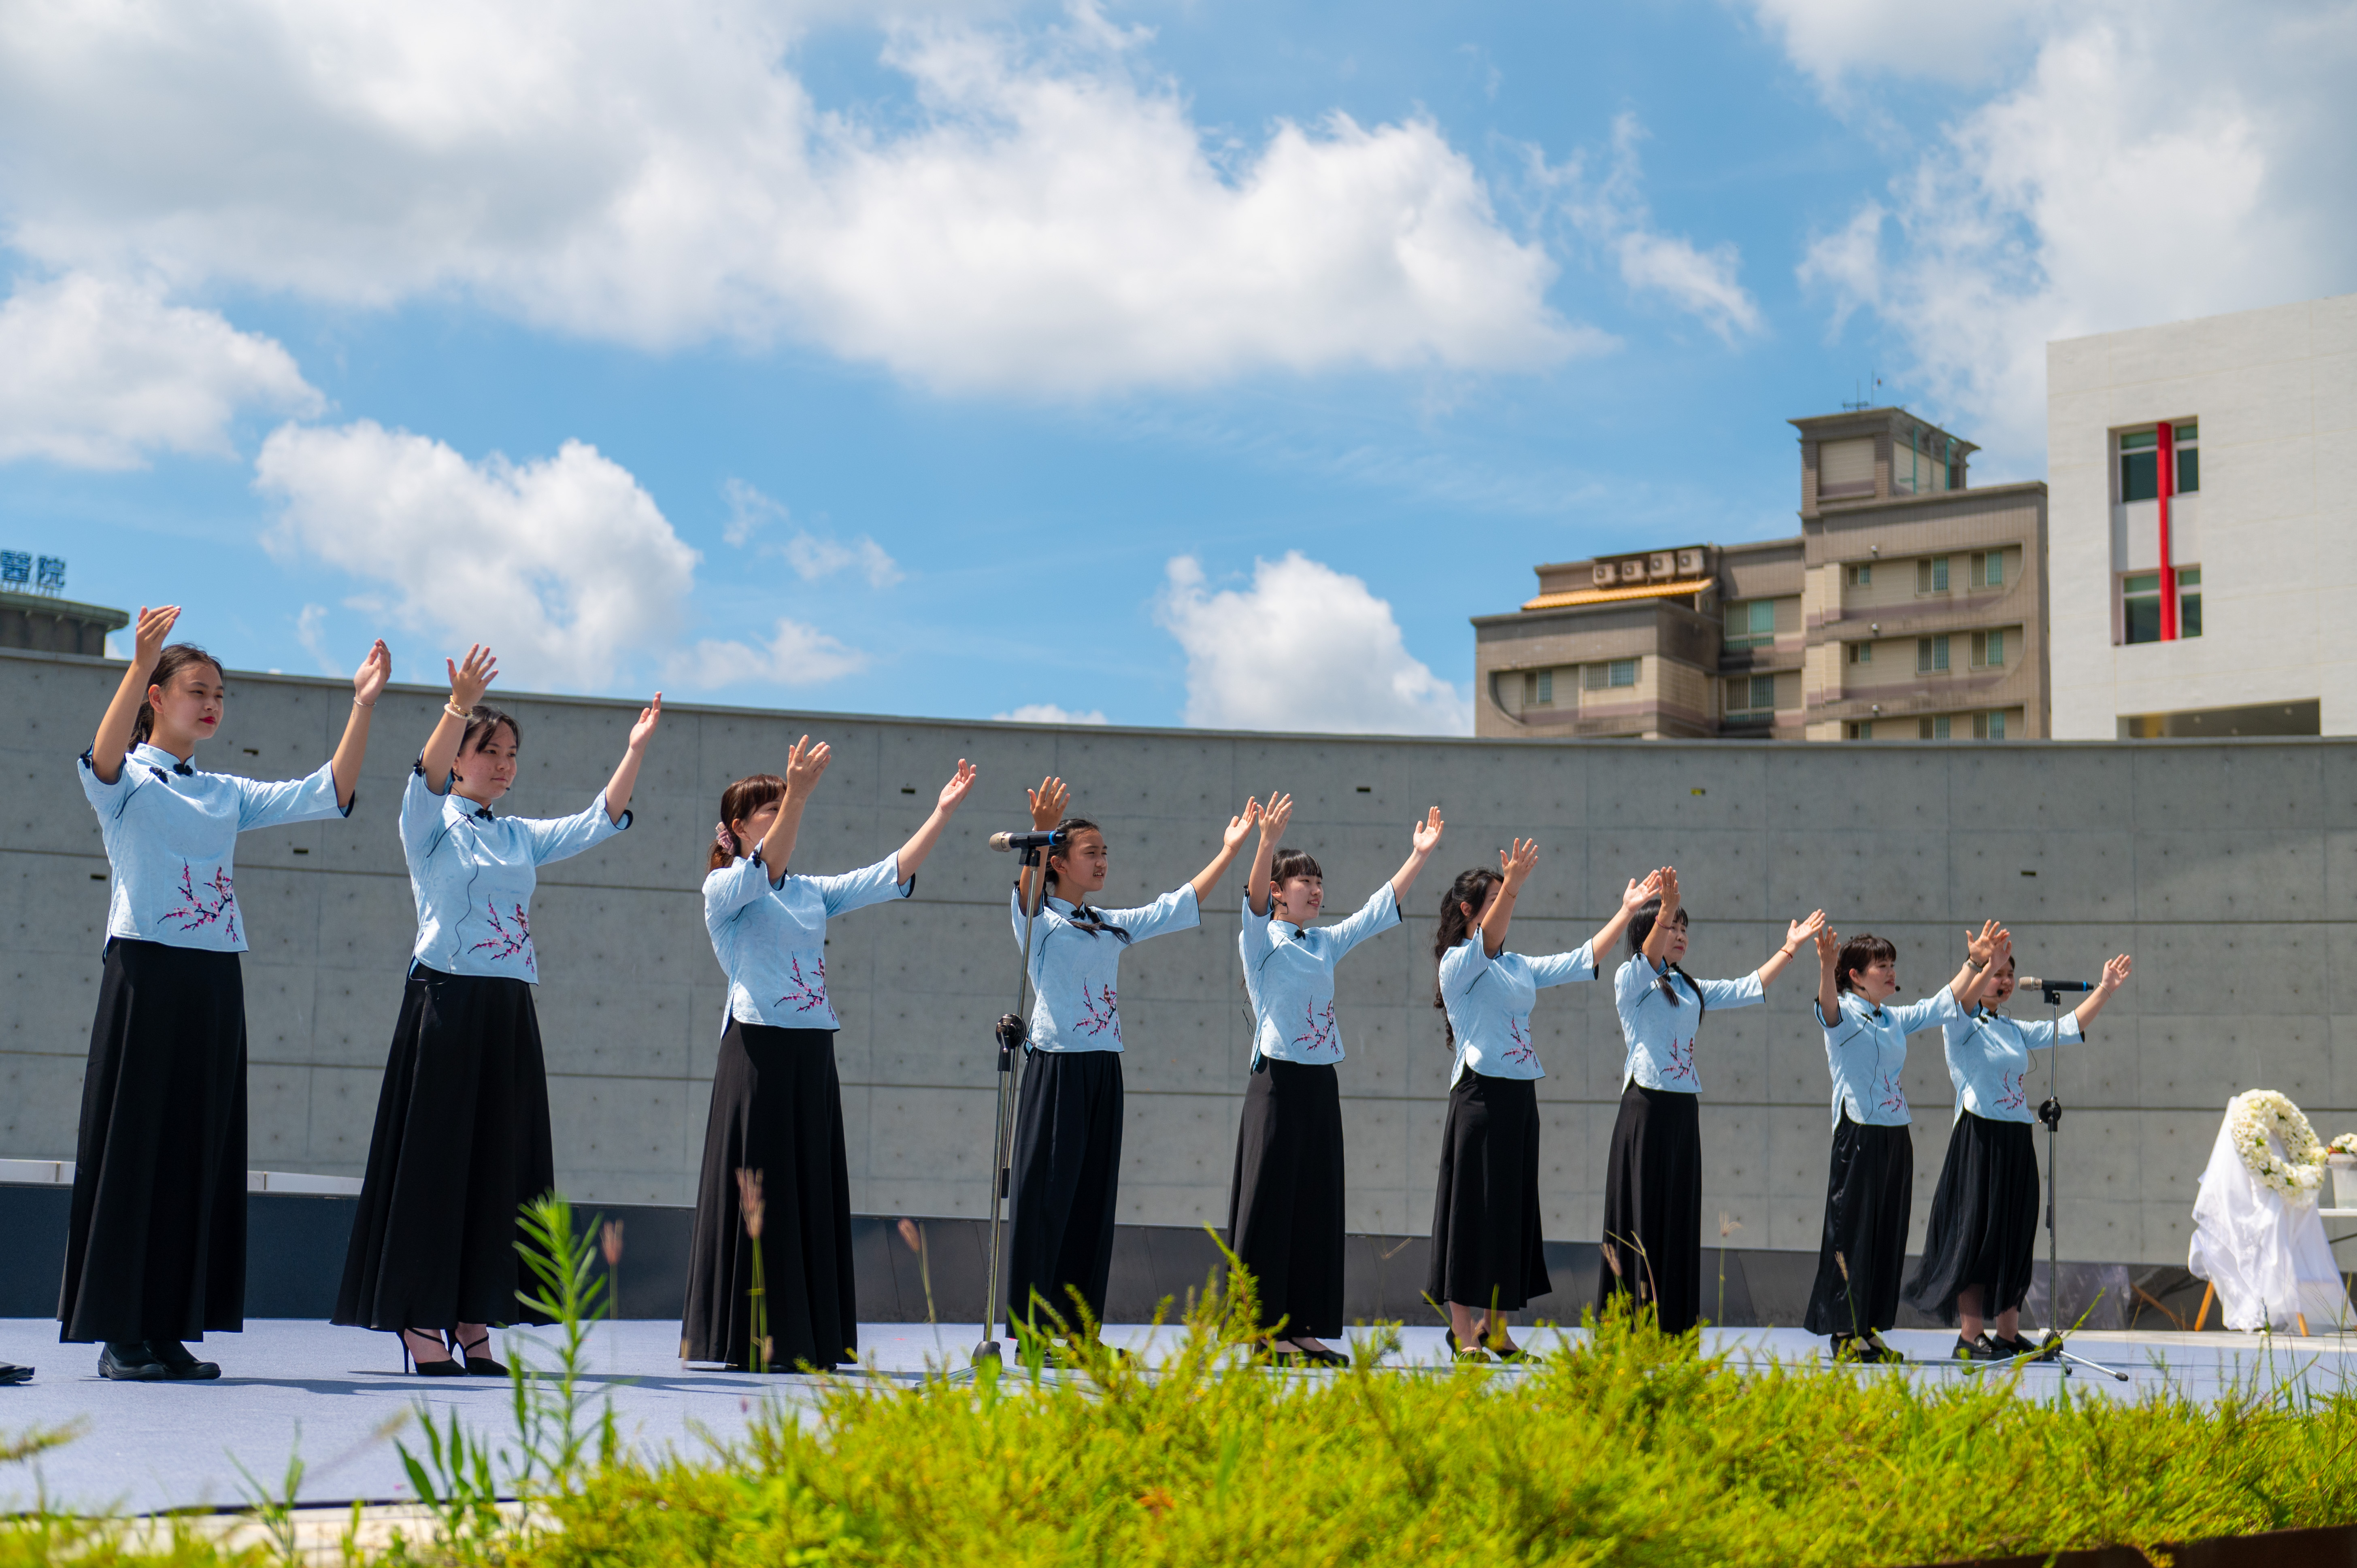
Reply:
x=2021 y=1344
x=1980 y=1349
x=130 y=1361
x=1464 y=1352
x=440 y=1367
x=479 y=1357
x=12 y=1374
x=179 y=1365
x=1324 y=1356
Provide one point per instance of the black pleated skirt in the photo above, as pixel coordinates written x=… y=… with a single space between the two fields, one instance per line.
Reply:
x=1984 y=1229
x=1486 y=1250
x=461 y=1140
x=155 y=1237
x=1652 y=1206
x=1066 y=1181
x=777 y=1108
x=1868 y=1188
x=1285 y=1206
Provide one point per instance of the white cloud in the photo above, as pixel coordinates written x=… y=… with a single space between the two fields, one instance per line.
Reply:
x=1833 y=39
x=1050 y=218
x=99 y=373
x=563 y=564
x=1305 y=648
x=2149 y=164
x=1051 y=714
x=311 y=631
x=813 y=557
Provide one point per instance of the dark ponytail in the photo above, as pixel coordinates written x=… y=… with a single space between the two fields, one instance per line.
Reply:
x=1641 y=926
x=1472 y=888
x=738 y=801
x=169 y=664
x=1090 y=920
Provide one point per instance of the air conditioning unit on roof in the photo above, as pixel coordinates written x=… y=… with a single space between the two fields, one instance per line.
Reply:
x=1632 y=570
x=1689 y=563
x=1662 y=563
x=1606 y=574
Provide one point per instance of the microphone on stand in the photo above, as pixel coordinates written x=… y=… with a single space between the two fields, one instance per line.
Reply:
x=1052 y=838
x=2031 y=983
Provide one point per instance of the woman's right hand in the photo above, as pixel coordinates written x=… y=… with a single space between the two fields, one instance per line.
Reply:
x=1828 y=945
x=1273 y=816
x=147 y=641
x=805 y=766
x=1047 y=802
x=1517 y=865
x=470 y=680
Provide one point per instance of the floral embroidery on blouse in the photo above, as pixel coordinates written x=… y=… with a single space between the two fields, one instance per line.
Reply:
x=195 y=911
x=2012 y=1099
x=1518 y=1031
x=1682 y=1060
x=505 y=940
x=1099 y=1013
x=1321 y=1033
x=1893 y=1097
x=806 y=992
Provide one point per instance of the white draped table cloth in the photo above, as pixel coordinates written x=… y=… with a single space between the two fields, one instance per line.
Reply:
x=2264 y=1253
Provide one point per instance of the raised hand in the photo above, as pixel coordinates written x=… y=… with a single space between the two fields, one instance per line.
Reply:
x=1426 y=833
x=1275 y=816
x=147 y=640
x=1241 y=825
x=1799 y=931
x=469 y=681
x=1828 y=944
x=805 y=766
x=1047 y=802
x=1517 y=865
x=1636 y=894
x=2116 y=972
x=373 y=672
x=644 y=730
x=954 y=792
x=1668 y=890
x=1983 y=948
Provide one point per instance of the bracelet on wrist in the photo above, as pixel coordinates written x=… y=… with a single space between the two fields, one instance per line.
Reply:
x=456 y=711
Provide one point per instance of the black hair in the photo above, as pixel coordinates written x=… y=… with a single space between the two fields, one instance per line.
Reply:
x=1288 y=864
x=168 y=664
x=1861 y=952
x=482 y=724
x=739 y=802
x=1472 y=888
x=1091 y=920
x=1641 y=926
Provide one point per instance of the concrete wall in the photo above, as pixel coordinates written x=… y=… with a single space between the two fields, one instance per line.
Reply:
x=2229 y=869
x=2274 y=528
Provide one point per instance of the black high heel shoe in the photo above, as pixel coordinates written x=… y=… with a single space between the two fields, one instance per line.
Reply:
x=446 y=1367
x=479 y=1358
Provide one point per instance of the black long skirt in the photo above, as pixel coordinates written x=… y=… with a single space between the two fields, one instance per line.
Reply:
x=1285 y=1206
x=777 y=1108
x=1867 y=1190
x=155 y=1237
x=1066 y=1179
x=1984 y=1229
x=1486 y=1251
x=461 y=1140
x=1652 y=1206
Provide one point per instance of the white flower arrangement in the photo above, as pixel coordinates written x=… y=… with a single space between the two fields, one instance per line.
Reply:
x=2300 y=1171
x=2345 y=1144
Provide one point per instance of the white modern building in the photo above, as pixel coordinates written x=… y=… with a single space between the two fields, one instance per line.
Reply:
x=2202 y=526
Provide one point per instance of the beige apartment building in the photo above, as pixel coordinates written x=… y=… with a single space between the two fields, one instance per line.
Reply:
x=1910 y=606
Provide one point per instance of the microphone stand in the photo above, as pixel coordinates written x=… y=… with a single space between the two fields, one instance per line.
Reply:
x=2051 y=1114
x=1014 y=1033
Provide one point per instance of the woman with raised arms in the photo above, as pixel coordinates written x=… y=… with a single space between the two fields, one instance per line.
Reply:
x=1067 y=1121
x=1870 y=1180
x=462 y=1126
x=1489 y=1258
x=156 y=1236
x=1983 y=1237
x=777 y=1104
x=1284 y=1207
x=1652 y=1179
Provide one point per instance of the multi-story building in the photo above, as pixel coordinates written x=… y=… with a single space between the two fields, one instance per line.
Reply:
x=1911 y=606
x=2201 y=539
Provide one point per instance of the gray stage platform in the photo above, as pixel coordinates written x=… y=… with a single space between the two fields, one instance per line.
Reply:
x=148 y=1446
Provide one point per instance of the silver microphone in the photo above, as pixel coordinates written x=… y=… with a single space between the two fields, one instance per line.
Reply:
x=2031 y=983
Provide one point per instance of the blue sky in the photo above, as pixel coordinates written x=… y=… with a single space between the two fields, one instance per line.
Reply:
x=1172 y=363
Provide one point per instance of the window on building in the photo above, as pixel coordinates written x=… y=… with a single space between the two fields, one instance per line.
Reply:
x=1922 y=461
x=1988 y=649
x=1538 y=688
x=1861 y=729
x=1617 y=672
x=2140 y=606
x=1988 y=726
x=2189 y=601
x=1988 y=569
x=1752 y=624
x=2139 y=466
x=1845 y=467
x=1931 y=655
x=1862 y=574
x=1932 y=574
x=2188 y=437
x=1751 y=697
x=1932 y=728
x=1861 y=652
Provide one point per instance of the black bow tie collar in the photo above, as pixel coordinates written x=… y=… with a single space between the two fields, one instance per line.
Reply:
x=184 y=770
x=482 y=813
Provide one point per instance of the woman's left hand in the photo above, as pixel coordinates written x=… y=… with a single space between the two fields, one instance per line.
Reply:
x=644 y=730
x=954 y=792
x=2115 y=973
x=1427 y=831
x=373 y=674
x=1240 y=827
x=1799 y=931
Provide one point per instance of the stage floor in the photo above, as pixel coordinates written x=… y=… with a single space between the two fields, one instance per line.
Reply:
x=146 y=1447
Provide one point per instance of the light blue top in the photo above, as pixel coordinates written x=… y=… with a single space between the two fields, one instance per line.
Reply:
x=1988 y=1055
x=1489 y=1002
x=1077 y=1006
x=1290 y=974
x=1660 y=1037
x=1867 y=1049
x=171 y=838
x=472 y=872
x=772 y=937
